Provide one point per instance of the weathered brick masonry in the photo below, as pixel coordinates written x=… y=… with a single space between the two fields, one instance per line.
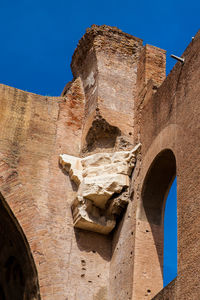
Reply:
x=118 y=98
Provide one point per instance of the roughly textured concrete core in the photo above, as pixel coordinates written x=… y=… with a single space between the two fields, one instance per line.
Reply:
x=97 y=234
x=101 y=135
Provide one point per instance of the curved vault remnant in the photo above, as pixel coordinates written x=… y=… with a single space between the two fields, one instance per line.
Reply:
x=101 y=135
x=101 y=179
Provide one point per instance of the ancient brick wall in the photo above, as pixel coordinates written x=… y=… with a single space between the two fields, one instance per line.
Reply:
x=169 y=120
x=114 y=102
x=35 y=130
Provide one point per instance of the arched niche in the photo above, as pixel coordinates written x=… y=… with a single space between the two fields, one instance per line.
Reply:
x=18 y=275
x=149 y=245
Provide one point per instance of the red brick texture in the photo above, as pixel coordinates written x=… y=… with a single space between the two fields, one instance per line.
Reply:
x=119 y=96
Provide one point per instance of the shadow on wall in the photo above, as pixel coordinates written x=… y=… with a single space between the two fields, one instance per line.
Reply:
x=94 y=242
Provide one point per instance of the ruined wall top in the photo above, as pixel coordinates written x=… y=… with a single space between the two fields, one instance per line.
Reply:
x=96 y=36
x=113 y=68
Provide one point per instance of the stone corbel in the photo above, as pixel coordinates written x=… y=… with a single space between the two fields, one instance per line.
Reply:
x=102 y=180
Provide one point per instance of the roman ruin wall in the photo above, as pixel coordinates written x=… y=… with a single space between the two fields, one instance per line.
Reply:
x=84 y=176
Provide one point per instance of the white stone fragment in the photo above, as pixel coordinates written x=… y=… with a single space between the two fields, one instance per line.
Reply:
x=73 y=166
x=97 y=159
x=90 y=80
x=100 y=188
x=88 y=217
x=98 y=177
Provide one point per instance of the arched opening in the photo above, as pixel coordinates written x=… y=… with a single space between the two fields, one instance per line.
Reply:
x=157 y=184
x=150 y=225
x=18 y=275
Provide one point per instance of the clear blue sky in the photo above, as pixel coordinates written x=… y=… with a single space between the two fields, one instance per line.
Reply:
x=170 y=235
x=38 y=38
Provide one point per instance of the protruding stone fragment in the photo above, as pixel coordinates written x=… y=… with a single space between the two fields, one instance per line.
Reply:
x=100 y=188
x=99 y=177
x=118 y=204
x=73 y=166
x=87 y=216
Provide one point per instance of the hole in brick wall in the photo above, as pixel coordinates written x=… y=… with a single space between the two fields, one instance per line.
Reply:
x=83 y=262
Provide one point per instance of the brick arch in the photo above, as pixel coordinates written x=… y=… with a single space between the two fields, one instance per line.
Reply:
x=158 y=170
x=154 y=193
x=18 y=276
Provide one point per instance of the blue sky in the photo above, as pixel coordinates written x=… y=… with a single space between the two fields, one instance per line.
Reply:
x=170 y=235
x=38 y=38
